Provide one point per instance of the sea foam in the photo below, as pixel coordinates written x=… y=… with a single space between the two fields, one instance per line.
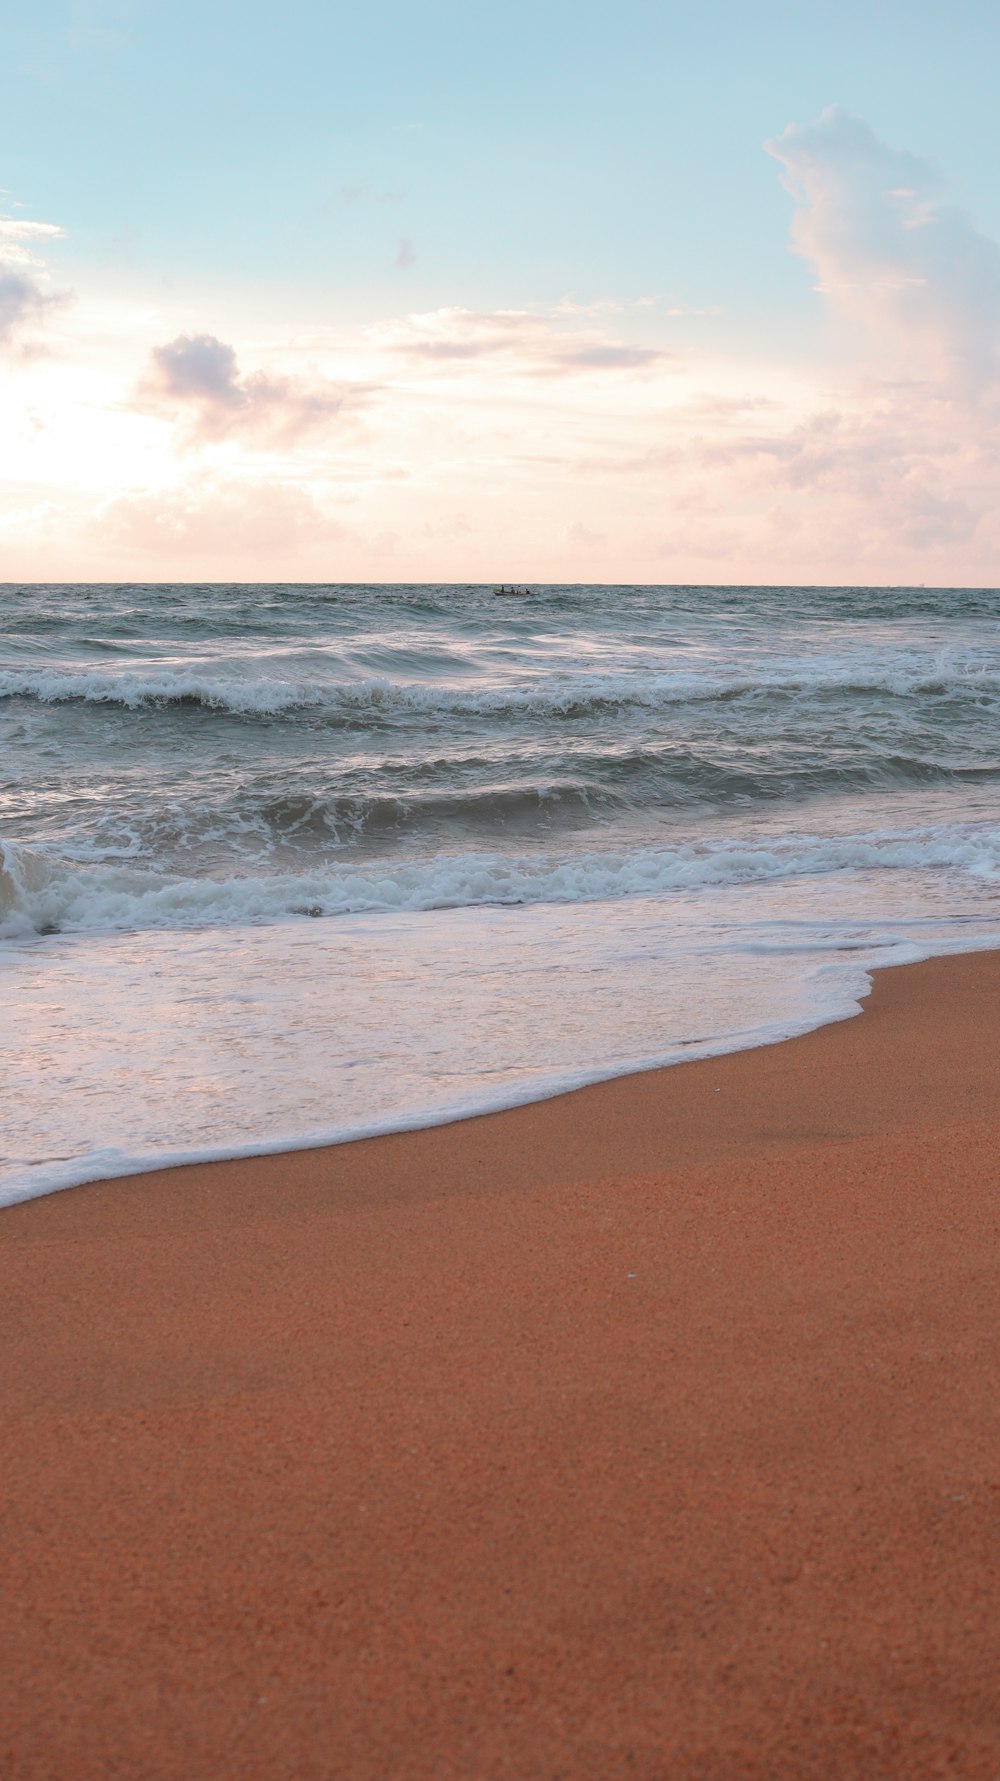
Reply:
x=559 y=692
x=44 y=894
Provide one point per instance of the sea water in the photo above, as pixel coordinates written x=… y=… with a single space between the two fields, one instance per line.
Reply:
x=281 y=865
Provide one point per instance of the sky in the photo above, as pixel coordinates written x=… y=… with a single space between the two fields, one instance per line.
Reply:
x=565 y=291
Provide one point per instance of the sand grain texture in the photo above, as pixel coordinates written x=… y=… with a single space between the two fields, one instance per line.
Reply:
x=651 y=1431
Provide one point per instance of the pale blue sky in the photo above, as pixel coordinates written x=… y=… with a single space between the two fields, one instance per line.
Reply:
x=526 y=150
x=316 y=290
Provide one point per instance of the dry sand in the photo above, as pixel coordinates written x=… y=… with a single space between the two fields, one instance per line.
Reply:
x=647 y=1432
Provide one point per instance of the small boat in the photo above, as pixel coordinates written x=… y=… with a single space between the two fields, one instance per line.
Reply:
x=513 y=593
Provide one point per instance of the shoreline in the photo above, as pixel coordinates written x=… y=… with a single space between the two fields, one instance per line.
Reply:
x=649 y=1429
x=112 y=1165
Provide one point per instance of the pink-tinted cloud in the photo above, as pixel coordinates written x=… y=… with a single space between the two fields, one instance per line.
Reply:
x=881 y=475
x=216 y=520
x=890 y=252
x=606 y=356
x=531 y=345
x=196 y=379
x=456 y=333
x=890 y=471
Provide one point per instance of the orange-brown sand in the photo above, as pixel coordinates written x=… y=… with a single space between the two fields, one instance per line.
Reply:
x=647 y=1432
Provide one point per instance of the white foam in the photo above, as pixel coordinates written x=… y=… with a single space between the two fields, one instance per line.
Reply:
x=40 y=892
x=556 y=690
x=126 y=1053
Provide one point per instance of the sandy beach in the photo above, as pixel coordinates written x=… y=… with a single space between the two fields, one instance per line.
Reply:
x=650 y=1431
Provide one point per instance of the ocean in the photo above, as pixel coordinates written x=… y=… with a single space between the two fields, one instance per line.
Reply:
x=281 y=865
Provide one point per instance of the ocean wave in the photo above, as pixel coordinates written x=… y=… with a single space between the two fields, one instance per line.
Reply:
x=259 y=697
x=270 y=826
x=42 y=894
x=300 y=816
x=554 y=694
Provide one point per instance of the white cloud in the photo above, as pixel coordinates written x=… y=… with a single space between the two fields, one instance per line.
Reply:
x=890 y=252
x=897 y=462
x=16 y=229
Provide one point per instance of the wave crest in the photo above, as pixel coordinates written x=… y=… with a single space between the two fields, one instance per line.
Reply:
x=44 y=894
x=375 y=697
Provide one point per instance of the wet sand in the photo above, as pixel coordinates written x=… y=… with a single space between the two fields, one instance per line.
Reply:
x=650 y=1432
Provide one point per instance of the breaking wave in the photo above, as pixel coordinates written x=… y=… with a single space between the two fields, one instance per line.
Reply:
x=42 y=894
x=566 y=695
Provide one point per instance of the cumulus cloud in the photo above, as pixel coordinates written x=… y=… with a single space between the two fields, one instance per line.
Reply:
x=890 y=251
x=24 y=280
x=895 y=465
x=529 y=344
x=196 y=379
